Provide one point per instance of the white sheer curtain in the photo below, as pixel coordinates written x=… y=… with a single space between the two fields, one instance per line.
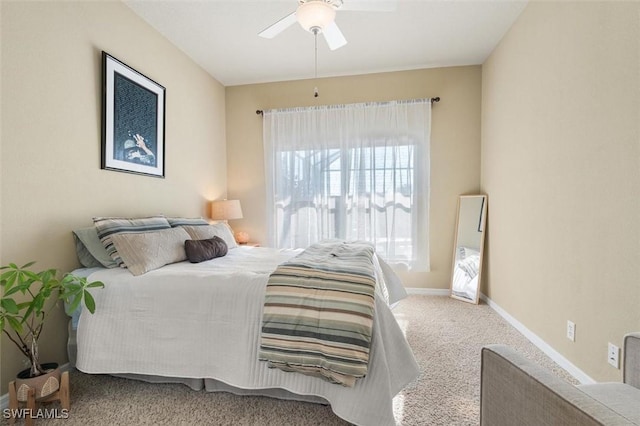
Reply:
x=355 y=172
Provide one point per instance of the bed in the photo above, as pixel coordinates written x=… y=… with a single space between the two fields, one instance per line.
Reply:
x=200 y=324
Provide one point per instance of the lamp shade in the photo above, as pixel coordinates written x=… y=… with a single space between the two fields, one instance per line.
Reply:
x=226 y=210
x=315 y=14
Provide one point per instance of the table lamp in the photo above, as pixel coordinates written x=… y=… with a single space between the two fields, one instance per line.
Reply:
x=229 y=210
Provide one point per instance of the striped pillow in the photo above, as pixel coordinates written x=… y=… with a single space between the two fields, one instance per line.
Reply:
x=184 y=221
x=108 y=226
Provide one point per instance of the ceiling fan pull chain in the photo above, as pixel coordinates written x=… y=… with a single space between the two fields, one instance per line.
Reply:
x=315 y=36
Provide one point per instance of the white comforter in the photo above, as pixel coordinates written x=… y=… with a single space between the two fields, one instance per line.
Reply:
x=203 y=321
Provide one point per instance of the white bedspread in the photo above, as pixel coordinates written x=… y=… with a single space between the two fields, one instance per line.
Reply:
x=203 y=321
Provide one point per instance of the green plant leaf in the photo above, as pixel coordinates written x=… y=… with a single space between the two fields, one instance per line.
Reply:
x=27 y=314
x=31 y=275
x=8 y=279
x=89 y=302
x=23 y=305
x=69 y=294
x=9 y=305
x=73 y=287
x=14 y=323
x=24 y=287
x=7 y=274
x=28 y=264
x=34 y=307
x=74 y=304
x=69 y=278
x=95 y=284
x=48 y=277
x=13 y=290
x=38 y=302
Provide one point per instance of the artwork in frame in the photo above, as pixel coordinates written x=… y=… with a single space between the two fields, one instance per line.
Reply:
x=133 y=115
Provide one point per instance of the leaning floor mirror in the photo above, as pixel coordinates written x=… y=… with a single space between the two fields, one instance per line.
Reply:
x=468 y=248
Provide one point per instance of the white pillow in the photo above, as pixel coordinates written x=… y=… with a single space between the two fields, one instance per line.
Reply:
x=221 y=230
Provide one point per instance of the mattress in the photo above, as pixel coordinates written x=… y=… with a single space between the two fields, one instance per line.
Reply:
x=202 y=321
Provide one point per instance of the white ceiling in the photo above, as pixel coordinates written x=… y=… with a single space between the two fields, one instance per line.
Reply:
x=222 y=36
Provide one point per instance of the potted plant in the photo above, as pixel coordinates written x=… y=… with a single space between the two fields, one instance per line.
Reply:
x=27 y=299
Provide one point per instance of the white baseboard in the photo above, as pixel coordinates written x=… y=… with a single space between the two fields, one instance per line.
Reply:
x=4 y=399
x=428 y=291
x=580 y=375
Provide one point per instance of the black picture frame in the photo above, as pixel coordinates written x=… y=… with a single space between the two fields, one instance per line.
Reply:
x=133 y=120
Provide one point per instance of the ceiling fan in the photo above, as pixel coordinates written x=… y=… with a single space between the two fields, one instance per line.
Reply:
x=318 y=17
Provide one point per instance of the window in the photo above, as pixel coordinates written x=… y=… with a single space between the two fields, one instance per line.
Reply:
x=355 y=172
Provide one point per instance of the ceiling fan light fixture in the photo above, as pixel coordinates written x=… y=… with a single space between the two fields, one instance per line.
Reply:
x=315 y=14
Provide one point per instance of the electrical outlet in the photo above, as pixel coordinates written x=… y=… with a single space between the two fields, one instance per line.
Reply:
x=571 y=331
x=613 y=355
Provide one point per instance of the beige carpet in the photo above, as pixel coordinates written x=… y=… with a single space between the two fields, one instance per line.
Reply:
x=446 y=336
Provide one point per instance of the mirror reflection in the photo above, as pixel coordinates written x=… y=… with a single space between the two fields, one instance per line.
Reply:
x=468 y=247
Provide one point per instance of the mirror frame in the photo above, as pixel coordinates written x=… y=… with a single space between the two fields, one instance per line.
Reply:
x=482 y=225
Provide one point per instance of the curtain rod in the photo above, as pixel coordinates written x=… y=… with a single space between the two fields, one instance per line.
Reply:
x=433 y=100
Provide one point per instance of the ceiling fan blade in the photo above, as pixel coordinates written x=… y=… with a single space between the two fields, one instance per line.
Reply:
x=370 y=5
x=278 y=27
x=334 y=36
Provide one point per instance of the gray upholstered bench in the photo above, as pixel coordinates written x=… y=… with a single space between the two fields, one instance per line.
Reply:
x=516 y=391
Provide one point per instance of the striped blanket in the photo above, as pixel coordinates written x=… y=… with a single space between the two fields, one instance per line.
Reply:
x=318 y=312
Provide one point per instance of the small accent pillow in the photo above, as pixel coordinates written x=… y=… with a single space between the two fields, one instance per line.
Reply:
x=185 y=221
x=90 y=250
x=201 y=250
x=221 y=230
x=145 y=251
x=107 y=227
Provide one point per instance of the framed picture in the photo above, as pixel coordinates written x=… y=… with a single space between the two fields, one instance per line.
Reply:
x=133 y=113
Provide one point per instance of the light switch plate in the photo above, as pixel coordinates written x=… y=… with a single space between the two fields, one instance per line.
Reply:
x=571 y=331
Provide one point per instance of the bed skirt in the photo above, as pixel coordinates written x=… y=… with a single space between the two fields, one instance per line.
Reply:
x=209 y=385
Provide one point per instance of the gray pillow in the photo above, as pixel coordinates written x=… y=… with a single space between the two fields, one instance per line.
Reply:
x=201 y=250
x=90 y=250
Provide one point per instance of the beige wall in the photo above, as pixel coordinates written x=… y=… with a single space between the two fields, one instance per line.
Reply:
x=455 y=143
x=50 y=141
x=561 y=165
